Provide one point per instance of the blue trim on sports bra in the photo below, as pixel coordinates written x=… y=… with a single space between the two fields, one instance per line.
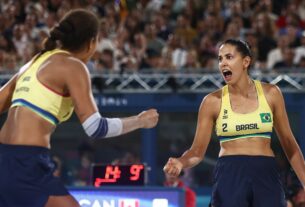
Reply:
x=44 y=113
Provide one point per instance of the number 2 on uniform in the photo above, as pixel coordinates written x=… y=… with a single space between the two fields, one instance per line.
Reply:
x=224 y=127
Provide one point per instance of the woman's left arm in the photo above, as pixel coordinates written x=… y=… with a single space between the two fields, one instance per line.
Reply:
x=6 y=93
x=285 y=135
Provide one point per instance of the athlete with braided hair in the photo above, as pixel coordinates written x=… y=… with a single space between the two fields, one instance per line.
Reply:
x=43 y=94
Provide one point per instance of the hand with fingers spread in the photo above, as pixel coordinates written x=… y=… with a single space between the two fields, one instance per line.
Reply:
x=173 y=167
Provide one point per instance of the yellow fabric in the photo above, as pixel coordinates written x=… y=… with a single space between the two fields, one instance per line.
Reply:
x=231 y=125
x=31 y=93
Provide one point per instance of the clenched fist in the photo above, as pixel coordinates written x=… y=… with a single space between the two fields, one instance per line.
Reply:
x=173 y=167
x=149 y=118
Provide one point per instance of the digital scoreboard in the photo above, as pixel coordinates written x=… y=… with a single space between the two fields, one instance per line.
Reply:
x=118 y=175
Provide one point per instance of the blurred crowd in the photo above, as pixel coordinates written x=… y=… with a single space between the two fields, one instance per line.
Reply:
x=170 y=35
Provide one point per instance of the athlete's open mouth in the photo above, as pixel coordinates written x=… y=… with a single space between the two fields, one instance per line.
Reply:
x=226 y=73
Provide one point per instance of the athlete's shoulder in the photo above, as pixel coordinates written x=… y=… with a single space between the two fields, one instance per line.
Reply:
x=273 y=94
x=212 y=99
x=71 y=62
x=215 y=95
x=211 y=104
x=69 y=65
x=270 y=89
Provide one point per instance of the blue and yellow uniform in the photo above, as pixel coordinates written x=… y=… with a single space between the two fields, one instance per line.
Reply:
x=26 y=175
x=244 y=180
x=31 y=93
x=232 y=126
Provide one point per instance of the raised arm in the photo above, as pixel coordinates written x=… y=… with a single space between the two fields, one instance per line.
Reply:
x=79 y=86
x=285 y=135
x=6 y=93
x=194 y=155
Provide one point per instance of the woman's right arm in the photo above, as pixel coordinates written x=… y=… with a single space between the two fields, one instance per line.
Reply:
x=78 y=83
x=194 y=155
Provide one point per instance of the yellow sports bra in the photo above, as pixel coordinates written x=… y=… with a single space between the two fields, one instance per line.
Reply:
x=45 y=102
x=231 y=125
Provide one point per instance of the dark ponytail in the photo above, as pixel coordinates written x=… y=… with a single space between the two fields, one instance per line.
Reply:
x=74 y=31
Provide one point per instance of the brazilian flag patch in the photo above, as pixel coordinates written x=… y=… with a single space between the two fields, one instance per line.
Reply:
x=265 y=117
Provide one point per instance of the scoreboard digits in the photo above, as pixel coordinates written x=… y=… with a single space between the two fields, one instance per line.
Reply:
x=111 y=175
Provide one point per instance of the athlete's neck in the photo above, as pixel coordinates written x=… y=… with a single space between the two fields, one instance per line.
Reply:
x=243 y=87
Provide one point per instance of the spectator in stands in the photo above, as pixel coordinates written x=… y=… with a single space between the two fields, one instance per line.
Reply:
x=276 y=54
x=138 y=49
x=22 y=42
x=301 y=63
x=153 y=42
x=166 y=11
x=105 y=42
x=267 y=6
x=287 y=61
x=174 y=46
x=185 y=30
x=31 y=26
x=294 y=34
x=207 y=53
x=113 y=20
x=122 y=45
x=64 y=8
x=264 y=28
x=131 y=23
x=251 y=39
x=152 y=60
x=236 y=14
x=213 y=25
x=300 y=50
x=232 y=31
x=50 y=20
x=129 y=63
x=10 y=63
x=7 y=45
x=191 y=62
x=106 y=61
x=163 y=30
x=300 y=6
x=166 y=61
x=177 y=182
